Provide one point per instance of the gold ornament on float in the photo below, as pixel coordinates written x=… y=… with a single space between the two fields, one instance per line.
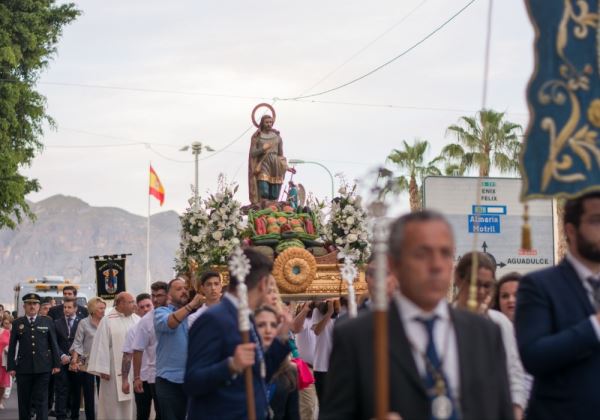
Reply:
x=294 y=270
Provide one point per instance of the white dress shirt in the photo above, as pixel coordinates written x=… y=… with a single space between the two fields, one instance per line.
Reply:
x=306 y=341
x=519 y=389
x=584 y=273
x=444 y=338
x=145 y=340
x=323 y=343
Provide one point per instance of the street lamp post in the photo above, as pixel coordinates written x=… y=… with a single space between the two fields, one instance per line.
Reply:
x=197 y=148
x=300 y=162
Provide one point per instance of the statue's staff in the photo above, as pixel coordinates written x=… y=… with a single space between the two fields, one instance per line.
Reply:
x=239 y=266
x=349 y=273
x=380 y=314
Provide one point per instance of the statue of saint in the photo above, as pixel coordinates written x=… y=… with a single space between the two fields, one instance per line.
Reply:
x=266 y=163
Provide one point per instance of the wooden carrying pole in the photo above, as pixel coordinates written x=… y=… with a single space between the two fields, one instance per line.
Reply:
x=239 y=266
x=380 y=319
x=250 y=405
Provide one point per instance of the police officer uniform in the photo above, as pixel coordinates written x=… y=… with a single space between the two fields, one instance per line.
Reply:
x=37 y=355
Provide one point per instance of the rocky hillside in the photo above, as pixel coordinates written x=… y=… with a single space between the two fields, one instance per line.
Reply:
x=67 y=231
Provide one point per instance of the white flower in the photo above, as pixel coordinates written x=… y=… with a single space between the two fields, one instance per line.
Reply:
x=235 y=241
x=196 y=239
x=339 y=241
x=217 y=235
x=350 y=220
x=352 y=238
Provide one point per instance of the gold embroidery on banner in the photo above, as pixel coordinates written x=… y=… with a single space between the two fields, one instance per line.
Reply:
x=582 y=141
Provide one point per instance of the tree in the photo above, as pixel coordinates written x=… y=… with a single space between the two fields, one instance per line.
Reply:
x=484 y=141
x=29 y=32
x=410 y=161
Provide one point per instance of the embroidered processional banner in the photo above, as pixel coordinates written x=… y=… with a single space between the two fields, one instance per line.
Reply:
x=561 y=154
x=110 y=276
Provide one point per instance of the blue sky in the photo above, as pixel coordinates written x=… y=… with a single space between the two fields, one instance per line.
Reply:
x=175 y=52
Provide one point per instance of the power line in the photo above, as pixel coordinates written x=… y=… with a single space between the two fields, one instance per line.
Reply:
x=148 y=90
x=367 y=46
x=108 y=136
x=403 y=53
x=168 y=158
x=395 y=106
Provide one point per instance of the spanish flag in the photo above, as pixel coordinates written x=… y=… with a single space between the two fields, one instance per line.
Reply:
x=156 y=188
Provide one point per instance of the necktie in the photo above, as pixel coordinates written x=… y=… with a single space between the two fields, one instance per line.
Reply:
x=70 y=324
x=433 y=373
x=595 y=284
x=31 y=320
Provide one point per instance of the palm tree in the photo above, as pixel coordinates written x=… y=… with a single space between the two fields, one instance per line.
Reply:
x=410 y=161
x=484 y=141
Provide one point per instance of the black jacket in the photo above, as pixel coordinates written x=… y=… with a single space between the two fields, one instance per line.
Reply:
x=558 y=344
x=56 y=312
x=63 y=338
x=350 y=390
x=38 y=349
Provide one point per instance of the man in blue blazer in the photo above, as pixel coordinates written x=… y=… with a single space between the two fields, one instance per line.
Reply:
x=214 y=379
x=558 y=321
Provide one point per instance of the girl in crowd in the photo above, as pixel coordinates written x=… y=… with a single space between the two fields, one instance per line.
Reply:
x=282 y=390
x=5 y=380
x=486 y=279
x=80 y=351
x=505 y=300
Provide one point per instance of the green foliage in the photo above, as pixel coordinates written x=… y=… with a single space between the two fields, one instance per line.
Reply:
x=29 y=32
x=410 y=162
x=484 y=142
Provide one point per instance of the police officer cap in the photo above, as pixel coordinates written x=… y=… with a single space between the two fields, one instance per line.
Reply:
x=31 y=298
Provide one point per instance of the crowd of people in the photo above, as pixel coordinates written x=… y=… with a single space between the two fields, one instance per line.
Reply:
x=530 y=350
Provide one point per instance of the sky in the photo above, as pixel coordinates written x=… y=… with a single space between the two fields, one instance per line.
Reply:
x=164 y=74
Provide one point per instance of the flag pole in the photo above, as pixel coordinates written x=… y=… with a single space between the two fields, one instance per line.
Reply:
x=148 y=243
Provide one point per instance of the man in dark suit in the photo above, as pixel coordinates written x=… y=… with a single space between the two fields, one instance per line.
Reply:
x=444 y=363
x=68 y=384
x=558 y=321
x=214 y=379
x=38 y=356
x=69 y=292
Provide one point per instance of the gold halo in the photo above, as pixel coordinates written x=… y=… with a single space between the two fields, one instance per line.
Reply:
x=264 y=104
x=294 y=270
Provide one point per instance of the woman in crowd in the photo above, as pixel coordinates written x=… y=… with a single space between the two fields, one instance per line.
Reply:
x=505 y=300
x=80 y=351
x=5 y=380
x=486 y=279
x=282 y=390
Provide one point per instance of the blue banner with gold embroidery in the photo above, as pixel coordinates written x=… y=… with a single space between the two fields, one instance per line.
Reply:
x=561 y=155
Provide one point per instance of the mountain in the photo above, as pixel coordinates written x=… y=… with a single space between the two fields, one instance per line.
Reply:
x=67 y=231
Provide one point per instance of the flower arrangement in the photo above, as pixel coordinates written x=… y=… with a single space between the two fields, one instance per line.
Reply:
x=211 y=230
x=347 y=226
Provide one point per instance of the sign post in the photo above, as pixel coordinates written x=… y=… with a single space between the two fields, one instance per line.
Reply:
x=497 y=219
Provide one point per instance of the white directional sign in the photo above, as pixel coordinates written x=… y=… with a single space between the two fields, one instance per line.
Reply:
x=497 y=219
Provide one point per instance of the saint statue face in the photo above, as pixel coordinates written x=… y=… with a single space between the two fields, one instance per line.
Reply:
x=266 y=124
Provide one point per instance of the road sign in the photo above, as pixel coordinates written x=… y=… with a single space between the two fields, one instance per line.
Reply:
x=497 y=219
x=484 y=224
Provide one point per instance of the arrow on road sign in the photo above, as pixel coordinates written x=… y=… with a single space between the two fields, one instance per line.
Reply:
x=501 y=264
x=484 y=246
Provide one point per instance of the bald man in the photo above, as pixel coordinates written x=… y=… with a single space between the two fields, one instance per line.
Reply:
x=106 y=355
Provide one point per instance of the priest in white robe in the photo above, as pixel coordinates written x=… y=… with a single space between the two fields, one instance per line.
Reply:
x=106 y=357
